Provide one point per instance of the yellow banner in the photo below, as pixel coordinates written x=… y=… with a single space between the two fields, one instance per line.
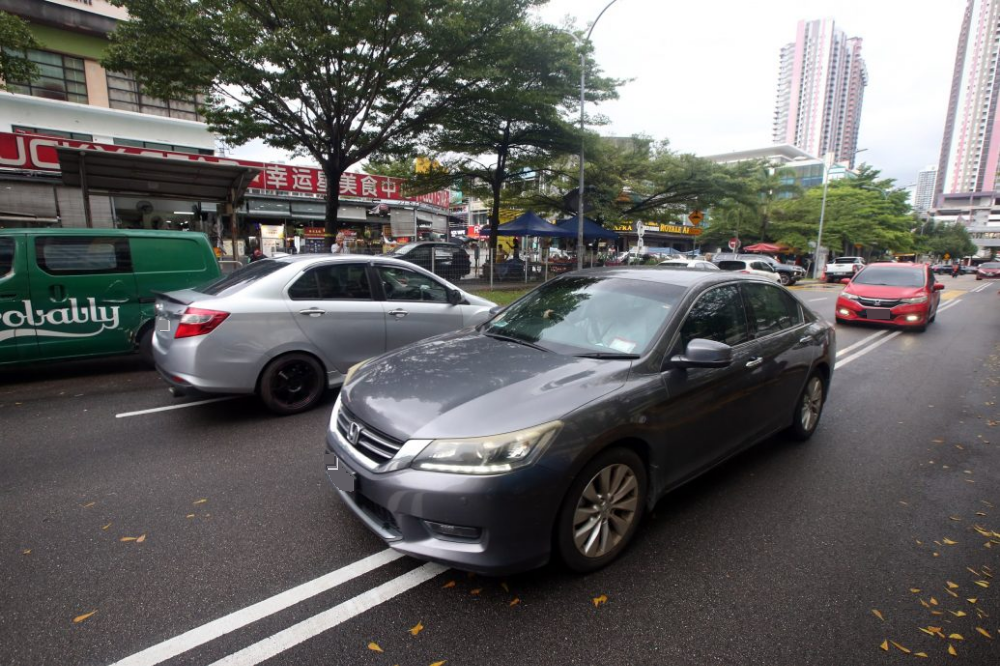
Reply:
x=628 y=228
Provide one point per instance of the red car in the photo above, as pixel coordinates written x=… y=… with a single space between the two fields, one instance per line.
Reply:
x=897 y=294
x=989 y=270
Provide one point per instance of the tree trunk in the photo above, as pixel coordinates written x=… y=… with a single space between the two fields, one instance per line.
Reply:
x=333 y=175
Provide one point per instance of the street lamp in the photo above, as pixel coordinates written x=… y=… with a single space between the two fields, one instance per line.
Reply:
x=822 y=211
x=583 y=90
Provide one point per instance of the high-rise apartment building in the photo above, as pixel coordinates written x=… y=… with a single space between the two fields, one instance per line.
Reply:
x=821 y=86
x=923 y=197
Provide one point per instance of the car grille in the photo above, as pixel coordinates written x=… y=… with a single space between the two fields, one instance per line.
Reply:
x=375 y=446
x=377 y=512
x=879 y=302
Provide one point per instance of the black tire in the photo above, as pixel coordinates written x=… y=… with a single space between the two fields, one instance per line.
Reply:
x=808 y=409
x=600 y=471
x=784 y=279
x=145 y=346
x=292 y=383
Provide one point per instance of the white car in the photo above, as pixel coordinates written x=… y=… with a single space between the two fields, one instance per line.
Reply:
x=756 y=267
x=699 y=264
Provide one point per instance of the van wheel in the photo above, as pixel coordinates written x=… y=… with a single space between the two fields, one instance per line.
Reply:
x=146 y=346
x=292 y=383
x=808 y=409
x=602 y=510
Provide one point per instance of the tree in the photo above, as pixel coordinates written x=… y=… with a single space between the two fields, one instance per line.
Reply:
x=15 y=38
x=951 y=239
x=332 y=79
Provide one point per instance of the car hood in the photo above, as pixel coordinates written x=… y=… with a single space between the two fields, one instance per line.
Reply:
x=466 y=384
x=883 y=291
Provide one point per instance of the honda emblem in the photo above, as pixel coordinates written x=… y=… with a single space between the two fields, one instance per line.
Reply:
x=354 y=433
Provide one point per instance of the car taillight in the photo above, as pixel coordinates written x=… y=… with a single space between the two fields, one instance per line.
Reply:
x=747 y=272
x=197 y=321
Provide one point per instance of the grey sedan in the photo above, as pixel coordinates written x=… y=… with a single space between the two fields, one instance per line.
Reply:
x=290 y=328
x=605 y=389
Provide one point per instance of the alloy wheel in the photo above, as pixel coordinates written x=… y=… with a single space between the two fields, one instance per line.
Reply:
x=294 y=384
x=606 y=510
x=812 y=404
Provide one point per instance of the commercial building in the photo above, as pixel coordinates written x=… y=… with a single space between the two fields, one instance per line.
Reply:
x=796 y=166
x=923 y=197
x=76 y=103
x=821 y=85
x=967 y=184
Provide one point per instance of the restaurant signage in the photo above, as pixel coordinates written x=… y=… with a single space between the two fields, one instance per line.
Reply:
x=629 y=227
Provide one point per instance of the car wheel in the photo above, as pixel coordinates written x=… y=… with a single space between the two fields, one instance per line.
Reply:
x=292 y=383
x=808 y=409
x=146 y=346
x=602 y=510
x=784 y=279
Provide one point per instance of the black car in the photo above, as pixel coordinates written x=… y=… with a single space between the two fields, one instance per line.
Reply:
x=448 y=260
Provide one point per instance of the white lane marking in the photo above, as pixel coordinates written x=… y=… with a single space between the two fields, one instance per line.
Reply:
x=982 y=287
x=862 y=341
x=317 y=624
x=864 y=351
x=216 y=628
x=182 y=406
x=950 y=305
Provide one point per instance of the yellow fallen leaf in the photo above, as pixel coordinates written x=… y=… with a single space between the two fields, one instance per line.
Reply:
x=903 y=503
x=26 y=552
x=954 y=594
x=450 y=583
x=927 y=631
x=106 y=526
x=505 y=588
x=127 y=539
x=439 y=663
x=885 y=645
x=938 y=441
x=959 y=447
x=951 y=585
x=924 y=604
x=934 y=612
x=476 y=591
x=972 y=600
x=190 y=515
x=984 y=632
x=914 y=590
x=201 y=501
x=980 y=513
x=141 y=539
x=417 y=629
x=900 y=647
x=955 y=518
x=877 y=614
x=973 y=571
x=952 y=651
x=934 y=601
x=374 y=647
x=920 y=654
x=949 y=542
x=80 y=618
x=603 y=599
x=956 y=637
x=89 y=504
x=515 y=602
x=958 y=613
x=982 y=583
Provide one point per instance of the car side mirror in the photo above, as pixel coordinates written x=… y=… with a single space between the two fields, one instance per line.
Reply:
x=702 y=353
x=845 y=281
x=455 y=297
x=938 y=286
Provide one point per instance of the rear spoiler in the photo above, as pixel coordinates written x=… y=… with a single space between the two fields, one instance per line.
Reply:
x=175 y=296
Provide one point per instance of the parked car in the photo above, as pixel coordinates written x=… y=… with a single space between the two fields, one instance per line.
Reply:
x=751 y=267
x=607 y=388
x=448 y=260
x=941 y=269
x=788 y=274
x=843 y=267
x=700 y=265
x=73 y=293
x=988 y=271
x=288 y=329
x=905 y=295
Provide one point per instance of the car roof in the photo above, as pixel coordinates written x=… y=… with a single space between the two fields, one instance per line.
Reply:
x=677 y=278
x=897 y=264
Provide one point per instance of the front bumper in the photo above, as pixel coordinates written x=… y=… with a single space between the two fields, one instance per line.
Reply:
x=513 y=512
x=908 y=315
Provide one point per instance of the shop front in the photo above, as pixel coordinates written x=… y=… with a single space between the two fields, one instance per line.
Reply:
x=680 y=237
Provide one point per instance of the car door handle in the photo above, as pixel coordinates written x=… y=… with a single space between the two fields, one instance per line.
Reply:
x=313 y=312
x=398 y=314
x=753 y=363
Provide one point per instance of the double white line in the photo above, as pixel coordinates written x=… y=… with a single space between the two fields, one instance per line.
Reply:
x=845 y=355
x=982 y=287
x=298 y=633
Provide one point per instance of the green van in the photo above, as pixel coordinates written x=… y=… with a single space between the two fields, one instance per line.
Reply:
x=69 y=293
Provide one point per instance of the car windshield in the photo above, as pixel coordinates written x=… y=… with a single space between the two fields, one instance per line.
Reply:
x=590 y=316
x=890 y=276
x=241 y=278
x=992 y=264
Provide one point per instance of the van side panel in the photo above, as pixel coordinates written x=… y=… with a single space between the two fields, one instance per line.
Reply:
x=170 y=264
x=16 y=341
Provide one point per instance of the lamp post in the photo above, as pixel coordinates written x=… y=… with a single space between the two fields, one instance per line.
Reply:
x=822 y=209
x=583 y=90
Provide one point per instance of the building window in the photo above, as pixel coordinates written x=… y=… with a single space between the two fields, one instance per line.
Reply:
x=59 y=77
x=58 y=134
x=132 y=143
x=125 y=93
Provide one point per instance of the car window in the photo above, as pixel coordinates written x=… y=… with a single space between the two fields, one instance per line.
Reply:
x=6 y=256
x=82 y=255
x=332 y=282
x=401 y=284
x=718 y=315
x=241 y=278
x=771 y=309
x=732 y=265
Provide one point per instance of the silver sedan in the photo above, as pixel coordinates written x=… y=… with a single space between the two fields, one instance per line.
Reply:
x=289 y=328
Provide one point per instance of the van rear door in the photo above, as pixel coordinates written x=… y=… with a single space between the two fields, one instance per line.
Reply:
x=16 y=340
x=84 y=294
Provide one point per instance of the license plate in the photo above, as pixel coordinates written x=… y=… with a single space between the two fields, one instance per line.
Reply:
x=883 y=314
x=342 y=478
x=163 y=324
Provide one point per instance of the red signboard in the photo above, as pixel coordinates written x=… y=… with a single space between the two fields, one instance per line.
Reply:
x=37 y=153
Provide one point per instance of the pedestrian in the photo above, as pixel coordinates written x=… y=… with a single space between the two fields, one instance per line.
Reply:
x=339 y=245
x=956 y=270
x=257 y=255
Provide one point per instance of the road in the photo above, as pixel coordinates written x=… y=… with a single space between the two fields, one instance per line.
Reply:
x=209 y=534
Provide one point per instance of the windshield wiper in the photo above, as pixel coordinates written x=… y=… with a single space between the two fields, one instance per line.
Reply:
x=614 y=355
x=508 y=338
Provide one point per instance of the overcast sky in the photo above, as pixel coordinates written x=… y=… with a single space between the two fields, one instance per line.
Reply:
x=705 y=72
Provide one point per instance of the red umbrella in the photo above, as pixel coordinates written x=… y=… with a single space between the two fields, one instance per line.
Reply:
x=764 y=247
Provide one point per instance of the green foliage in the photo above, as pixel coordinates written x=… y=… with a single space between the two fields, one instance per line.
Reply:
x=332 y=79
x=14 y=39
x=939 y=239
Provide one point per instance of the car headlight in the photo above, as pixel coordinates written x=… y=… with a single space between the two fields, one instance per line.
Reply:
x=496 y=454
x=922 y=298
x=849 y=296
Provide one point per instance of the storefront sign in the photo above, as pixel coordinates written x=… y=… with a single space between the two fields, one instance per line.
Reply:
x=37 y=153
x=629 y=227
x=314 y=232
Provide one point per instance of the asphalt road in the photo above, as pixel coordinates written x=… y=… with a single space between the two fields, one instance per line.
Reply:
x=210 y=533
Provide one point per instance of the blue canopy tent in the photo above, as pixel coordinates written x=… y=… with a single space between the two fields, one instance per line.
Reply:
x=591 y=229
x=528 y=224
